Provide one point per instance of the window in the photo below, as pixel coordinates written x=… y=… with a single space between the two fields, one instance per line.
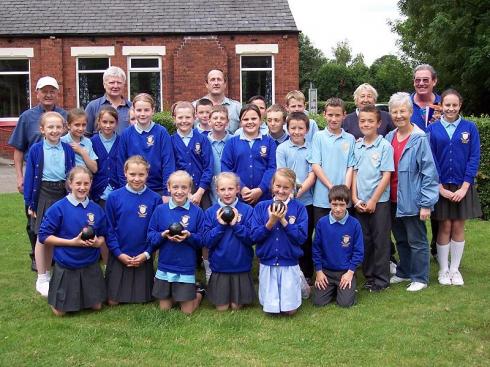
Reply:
x=257 y=77
x=145 y=76
x=90 y=73
x=14 y=87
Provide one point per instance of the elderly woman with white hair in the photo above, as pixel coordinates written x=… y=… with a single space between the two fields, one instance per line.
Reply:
x=364 y=95
x=114 y=80
x=413 y=194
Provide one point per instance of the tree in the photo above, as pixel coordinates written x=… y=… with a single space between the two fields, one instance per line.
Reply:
x=335 y=79
x=389 y=75
x=454 y=37
x=342 y=52
x=310 y=60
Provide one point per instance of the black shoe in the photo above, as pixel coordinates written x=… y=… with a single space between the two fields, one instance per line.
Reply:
x=368 y=285
x=377 y=288
x=33 y=265
x=200 y=289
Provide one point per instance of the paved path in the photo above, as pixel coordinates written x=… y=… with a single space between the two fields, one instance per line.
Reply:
x=8 y=182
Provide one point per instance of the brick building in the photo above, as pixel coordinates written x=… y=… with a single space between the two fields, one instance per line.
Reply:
x=165 y=46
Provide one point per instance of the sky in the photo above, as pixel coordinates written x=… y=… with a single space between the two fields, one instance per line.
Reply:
x=362 y=22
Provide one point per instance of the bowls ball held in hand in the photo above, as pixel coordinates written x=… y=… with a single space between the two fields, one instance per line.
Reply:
x=227 y=214
x=278 y=205
x=88 y=233
x=175 y=229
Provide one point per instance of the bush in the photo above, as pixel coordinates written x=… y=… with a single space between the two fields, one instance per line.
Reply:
x=165 y=119
x=350 y=106
x=483 y=177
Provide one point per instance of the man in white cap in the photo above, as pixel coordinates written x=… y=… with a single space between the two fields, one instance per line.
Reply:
x=27 y=132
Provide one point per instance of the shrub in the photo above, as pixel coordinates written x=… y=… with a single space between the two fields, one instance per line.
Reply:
x=483 y=177
x=165 y=119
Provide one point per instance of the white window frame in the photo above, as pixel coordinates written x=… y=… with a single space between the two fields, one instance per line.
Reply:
x=272 y=68
x=17 y=53
x=96 y=52
x=138 y=53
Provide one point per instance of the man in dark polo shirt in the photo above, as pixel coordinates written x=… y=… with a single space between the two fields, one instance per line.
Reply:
x=114 y=80
x=27 y=132
x=365 y=95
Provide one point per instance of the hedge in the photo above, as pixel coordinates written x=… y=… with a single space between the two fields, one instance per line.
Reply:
x=483 y=178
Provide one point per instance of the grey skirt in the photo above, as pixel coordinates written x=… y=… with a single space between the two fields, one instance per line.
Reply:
x=179 y=292
x=226 y=288
x=467 y=208
x=129 y=285
x=49 y=193
x=76 y=289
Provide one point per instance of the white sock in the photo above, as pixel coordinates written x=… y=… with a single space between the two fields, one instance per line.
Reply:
x=206 y=265
x=457 y=249
x=443 y=257
x=43 y=277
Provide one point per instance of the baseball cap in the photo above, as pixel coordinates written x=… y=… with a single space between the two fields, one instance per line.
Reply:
x=47 y=80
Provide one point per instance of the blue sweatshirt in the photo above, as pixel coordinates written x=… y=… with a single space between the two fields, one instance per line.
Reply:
x=338 y=246
x=255 y=166
x=195 y=158
x=230 y=247
x=156 y=147
x=34 y=171
x=281 y=245
x=176 y=257
x=457 y=159
x=128 y=217
x=106 y=167
x=65 y=220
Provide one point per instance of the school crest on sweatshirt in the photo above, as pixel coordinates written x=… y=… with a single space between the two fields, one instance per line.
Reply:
x=91 y=218
x=292 y=219
x=465 y=137
x=150 y=140
x=142 y=211
x=346 y=240
x=185 y=220
x=263 y=151
x=197 y=148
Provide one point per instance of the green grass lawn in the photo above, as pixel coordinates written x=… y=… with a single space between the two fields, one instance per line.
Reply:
x=440 y=326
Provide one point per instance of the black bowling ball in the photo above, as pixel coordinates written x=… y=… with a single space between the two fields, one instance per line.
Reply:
x=175 y=229
x=278 y=205
x=88 y=233
x=227 y=214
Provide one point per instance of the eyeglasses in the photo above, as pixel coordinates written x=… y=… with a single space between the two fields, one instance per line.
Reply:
x=421 y=80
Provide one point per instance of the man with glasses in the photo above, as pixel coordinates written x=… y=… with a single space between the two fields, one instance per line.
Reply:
x=424 y=97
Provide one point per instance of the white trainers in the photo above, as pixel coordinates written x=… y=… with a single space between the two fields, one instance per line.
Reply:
x=305 y=287
x=392 y=268
x=416 y=286
x=456 y=278
x=396 y=279
x=444 y=278
x=42 y=287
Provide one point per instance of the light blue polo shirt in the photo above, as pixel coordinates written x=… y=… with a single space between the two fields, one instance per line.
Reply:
x=186 y=139
x=295 y=157
x=370 y=162
x=250 y=141
x=85 y=143
x=450 y=126
x=264 y=130
x=54 y=162
x=335 y=154
x=217 y=147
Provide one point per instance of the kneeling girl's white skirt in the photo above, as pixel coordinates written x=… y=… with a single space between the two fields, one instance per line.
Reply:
x=279 y=288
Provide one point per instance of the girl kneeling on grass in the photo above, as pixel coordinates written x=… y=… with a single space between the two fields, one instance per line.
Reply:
x=130 y=273
x=455 y=143
x=77 y=282
x=175 y=279
x=230 y=247
x=280 y=227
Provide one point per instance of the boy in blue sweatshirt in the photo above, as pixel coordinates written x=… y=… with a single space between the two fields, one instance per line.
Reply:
x=338 y=249
x=175 y=278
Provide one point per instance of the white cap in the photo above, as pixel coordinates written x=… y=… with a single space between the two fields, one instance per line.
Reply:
x=47 y=80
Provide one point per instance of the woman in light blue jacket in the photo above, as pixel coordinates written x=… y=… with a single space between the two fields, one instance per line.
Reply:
x=414 y=192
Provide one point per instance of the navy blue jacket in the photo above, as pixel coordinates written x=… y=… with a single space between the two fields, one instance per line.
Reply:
x=34 y=171
x=280 y=245
x=230 y=247
x=106 y=167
